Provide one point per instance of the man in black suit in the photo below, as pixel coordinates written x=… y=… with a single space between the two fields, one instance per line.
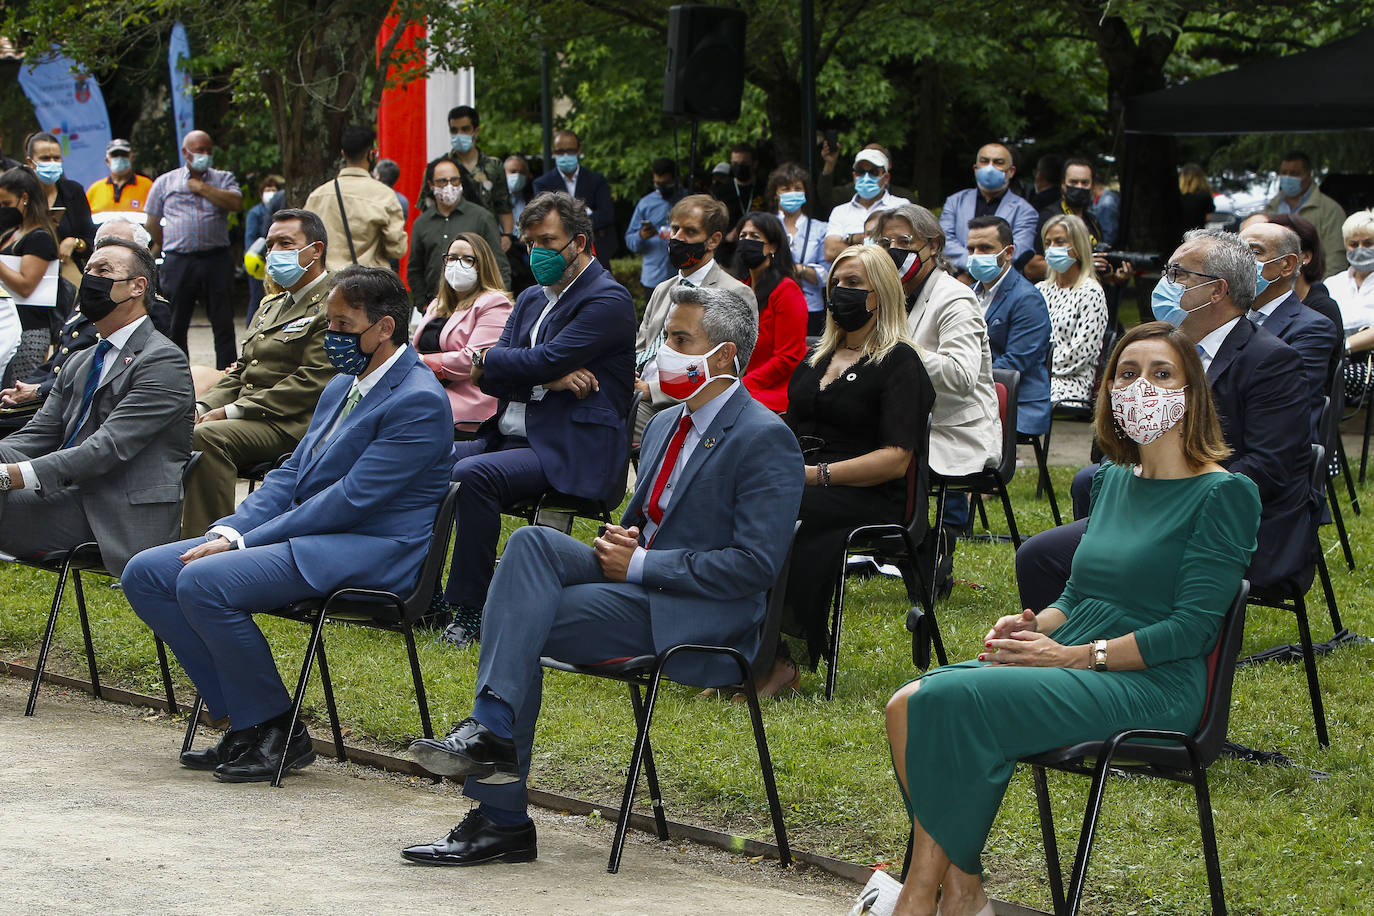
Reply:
x=1262 y=398
x=585 y=185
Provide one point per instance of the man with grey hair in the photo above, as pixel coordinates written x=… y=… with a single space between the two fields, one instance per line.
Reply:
x=120 y=226
x=702 y=541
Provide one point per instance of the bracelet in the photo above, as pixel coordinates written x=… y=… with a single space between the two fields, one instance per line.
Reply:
x=823 y=474
x=1099 y=648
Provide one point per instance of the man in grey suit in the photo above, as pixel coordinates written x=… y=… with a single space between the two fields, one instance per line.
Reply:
x=702 y=541
x=102 y=459
x=696 y=224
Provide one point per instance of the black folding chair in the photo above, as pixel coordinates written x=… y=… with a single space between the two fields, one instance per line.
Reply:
x=254 y=473
x=1040 y=444
x=70 y=564
x=1329 y=434
x=1176 y=756
x=990 y=481
x=367 y=607
x=645 y=672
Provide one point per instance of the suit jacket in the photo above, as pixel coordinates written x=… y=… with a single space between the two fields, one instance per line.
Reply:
x=1019 y=335
x=724 y=535
x=952 y=339
x=1014 y=209
x=358 y=507
x=595 y=193
x=1260 y=394
x=650 y=334
x=581 y=443
x=128 y=456
x=282 y=366
x=1318 y=342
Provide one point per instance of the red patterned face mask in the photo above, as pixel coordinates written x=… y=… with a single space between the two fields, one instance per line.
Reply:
x=681 y=375
x=1145 y=412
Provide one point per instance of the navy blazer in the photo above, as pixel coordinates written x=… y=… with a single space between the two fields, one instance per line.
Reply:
x=724 y=535
x=358 y=507
x=1259 y=391
x=595 y=193
x=1317 y=341
x=1019 y=335
x=581 y=443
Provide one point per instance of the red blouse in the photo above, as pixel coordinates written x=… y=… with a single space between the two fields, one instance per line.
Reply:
x=781 y=346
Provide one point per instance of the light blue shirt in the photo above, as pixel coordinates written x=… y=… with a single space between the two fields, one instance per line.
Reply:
x=808 y=250
x=653 y=208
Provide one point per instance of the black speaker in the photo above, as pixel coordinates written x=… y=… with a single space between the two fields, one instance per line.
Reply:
x=705 y=75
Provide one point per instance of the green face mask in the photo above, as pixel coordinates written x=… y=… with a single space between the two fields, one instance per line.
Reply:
x=547 y=264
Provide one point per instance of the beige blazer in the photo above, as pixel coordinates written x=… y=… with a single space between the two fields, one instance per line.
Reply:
x=374 y=218
x=656 y=314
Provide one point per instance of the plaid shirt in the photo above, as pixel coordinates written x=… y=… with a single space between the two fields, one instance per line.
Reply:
x=190 y=223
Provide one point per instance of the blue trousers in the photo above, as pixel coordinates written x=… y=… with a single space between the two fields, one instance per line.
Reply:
x=548 y=597
x=204 y=611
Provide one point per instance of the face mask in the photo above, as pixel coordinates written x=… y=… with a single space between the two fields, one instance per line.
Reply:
x=1290 y=185
x=284 y=267
x=742 y=171
x=10 y=217
x=345 y=350
x=48 y=172
x=1261 y=284
x=1361 y=259
x=848 y=307
x=791 y=201
x=449 y=194
x=985 y=267
x=990 y=178
x=567 y=162
x=667 y=190
x=93 y=298
x=268 y=197
x=1166 y=298
x=751 y=253
x=459 y=276
x=515 y=182
x=1078 y=198
x=688 y=255
x=1145 y=412
x=547 y=264
x=867 y=187
x=200 y=162
x=120 y=164
x=1060 y=258
x=908 y=262
x=461 y=143
x=682 y=375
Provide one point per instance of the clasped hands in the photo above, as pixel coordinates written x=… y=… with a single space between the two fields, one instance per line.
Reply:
x=614 y=547
x=1015 y=640
x=581 y=382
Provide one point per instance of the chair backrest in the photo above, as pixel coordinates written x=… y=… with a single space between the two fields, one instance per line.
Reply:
x=1221 y=675
x=772 y=615
x=1330 y=424
x=1318 y=466
x=918 y=488
x=1008 y=385
x=417 y=602
x=635 y=397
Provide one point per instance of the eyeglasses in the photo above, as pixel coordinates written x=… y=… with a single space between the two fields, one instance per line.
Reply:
x=876 y=172
x=1174 y=271
x=901 y=241
x=445 y=182
x=466 y=260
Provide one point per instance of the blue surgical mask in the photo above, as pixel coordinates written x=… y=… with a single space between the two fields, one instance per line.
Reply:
x=792 y=201
x=567 y=162
x=985 y=267
x=867 y=187
x=1261 y=284
x=120 y=164
x=284 y=267
x=1166 y=301
x=201 y=162
x=345 y=352
x=1290 y=185
x=990 y=178
x=461 y=143
x=48 y=172
x=1060 y=258
x=515 y=182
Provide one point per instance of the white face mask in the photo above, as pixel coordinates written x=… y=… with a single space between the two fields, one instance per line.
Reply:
x=459 y=276
x=1145 y=412
x=448 y=195
x=269 y=196
x=682 y=375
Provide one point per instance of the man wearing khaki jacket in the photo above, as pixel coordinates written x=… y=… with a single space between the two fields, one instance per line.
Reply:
x=361 y=214
x=261 y=407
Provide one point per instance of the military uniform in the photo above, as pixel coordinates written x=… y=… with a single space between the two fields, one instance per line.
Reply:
x=269 y=394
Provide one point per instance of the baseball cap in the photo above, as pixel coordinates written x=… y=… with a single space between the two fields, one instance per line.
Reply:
x=117 y=146
x=872 y=156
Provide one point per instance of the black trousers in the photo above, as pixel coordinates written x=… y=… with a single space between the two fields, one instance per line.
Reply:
x=202 y=277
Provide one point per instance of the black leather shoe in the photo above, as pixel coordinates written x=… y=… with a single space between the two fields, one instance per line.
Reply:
x=259 y=762
x=477 y=841
x=472 y=751
x=227 y=750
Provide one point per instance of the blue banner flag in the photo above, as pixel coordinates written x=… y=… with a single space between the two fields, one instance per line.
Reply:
x=183 y=109
x=69 y=105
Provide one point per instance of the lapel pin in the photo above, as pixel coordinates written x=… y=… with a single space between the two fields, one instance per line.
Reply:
x=128 y=359
x=709 y=443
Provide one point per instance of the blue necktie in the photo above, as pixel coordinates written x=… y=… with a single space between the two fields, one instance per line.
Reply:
x=92 y=382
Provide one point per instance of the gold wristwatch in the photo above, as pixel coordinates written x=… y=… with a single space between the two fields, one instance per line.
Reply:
x=1100 y=655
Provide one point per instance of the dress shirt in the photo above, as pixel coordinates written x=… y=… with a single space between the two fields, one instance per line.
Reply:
x=190 y=222
x=234 y=411
x=702 y=418
x=985 y=294
x=570 y=181
x=1209 y=345
x=848 y=218
x=1284 y=206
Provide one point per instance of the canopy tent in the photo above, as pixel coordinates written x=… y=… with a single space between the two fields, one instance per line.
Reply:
x=1326 y=88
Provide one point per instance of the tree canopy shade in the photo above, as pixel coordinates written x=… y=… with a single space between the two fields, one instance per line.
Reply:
x=1326 y=88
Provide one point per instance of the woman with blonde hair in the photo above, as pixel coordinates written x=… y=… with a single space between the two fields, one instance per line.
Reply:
x=1125 y=646
x=1194 y=196
x=1077 y=305
x=468 y=314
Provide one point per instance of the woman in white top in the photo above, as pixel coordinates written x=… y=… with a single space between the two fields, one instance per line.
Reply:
x=1078 y=308
x=1352 y=288
x=789 y=195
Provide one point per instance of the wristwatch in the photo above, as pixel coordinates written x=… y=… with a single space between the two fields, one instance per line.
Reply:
x=5 y=482
x=1100 y=655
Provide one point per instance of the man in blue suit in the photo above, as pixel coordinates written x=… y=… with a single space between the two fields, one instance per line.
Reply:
x=1018 y=320
x=354 y=505
x=993 y=171
x=587 y=186
x=563 y=372
x=702 y=541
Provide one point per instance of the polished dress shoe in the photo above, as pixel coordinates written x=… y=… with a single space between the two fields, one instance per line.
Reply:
x=472 y=751
x=259 y=762
x=477 y=841
x=227 y=750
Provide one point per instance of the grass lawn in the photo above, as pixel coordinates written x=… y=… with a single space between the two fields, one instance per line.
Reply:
x=1289 y=843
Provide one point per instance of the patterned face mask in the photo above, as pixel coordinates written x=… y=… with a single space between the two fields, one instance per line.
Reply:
x=1145 y=412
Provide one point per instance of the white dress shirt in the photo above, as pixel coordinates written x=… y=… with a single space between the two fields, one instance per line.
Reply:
x=1212 y=343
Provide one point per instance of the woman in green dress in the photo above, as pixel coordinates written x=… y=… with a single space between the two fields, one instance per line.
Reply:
x=1125 y=646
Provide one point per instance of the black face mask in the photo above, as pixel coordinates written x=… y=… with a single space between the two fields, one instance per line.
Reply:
x=685 y=255
x=93 y=298
x=666 y=189
x=743 y=172
x=1078 y=198
x=849 y=307
x=751 y=253
x=10 y=218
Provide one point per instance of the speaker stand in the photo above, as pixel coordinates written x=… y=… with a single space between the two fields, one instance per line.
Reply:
x=692 y=158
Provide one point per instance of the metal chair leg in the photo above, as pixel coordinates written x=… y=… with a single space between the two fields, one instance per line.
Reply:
x=46 y=644
x=766 y=766
x=306 y=665
x=627 y=800
x=166 y=674
x=1011 y=516
x=328 y=686
x=832 y=666
x=190 y=736
x=1053 y=867
x=1364 y=448
x=420 y=699
x=1345 y=472
x=650 y=771
x=1043 y=459
x=1329 y=593
x=1209 y=842
x=1340 y=523
x=1086 y=837
x=86 y=634
x=1309 y=661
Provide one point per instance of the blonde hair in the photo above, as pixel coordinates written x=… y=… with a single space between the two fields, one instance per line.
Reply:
x=1193 y=180
x=1082 y=246
x=890 y=328
x=488 y=277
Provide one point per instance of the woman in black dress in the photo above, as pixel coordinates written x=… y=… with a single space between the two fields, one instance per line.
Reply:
x=26 y=233
x=858 y=404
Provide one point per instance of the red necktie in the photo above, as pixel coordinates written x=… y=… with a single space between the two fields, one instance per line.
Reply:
x=666 y=470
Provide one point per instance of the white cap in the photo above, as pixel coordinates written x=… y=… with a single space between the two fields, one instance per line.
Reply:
x=874 y=156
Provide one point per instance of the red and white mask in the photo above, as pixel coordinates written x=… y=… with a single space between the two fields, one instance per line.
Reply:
x=682 y=375
x=1145 y=412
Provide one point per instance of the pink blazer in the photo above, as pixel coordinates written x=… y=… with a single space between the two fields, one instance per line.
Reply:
x=480 y=325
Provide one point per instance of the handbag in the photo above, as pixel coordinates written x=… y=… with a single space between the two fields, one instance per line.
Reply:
x=879 y=896
x=1358 y=378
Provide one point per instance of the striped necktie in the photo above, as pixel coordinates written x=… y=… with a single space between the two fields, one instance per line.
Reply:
x=88 y=394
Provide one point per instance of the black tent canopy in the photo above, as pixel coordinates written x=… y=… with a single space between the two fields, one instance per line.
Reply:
x=1326 y=88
